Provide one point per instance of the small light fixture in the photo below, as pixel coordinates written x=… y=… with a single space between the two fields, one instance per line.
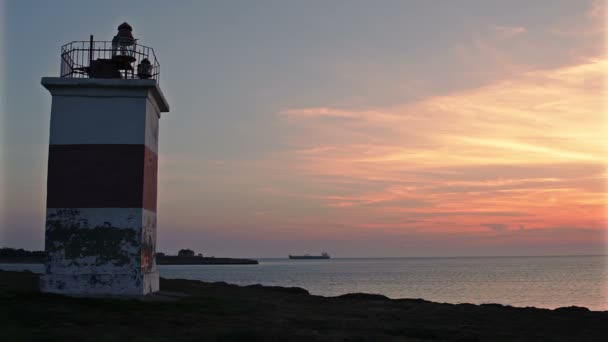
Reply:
x=124 y=47
x=144 y=69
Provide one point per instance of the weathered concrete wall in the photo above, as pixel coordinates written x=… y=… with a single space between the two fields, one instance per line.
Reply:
x=101 y=187
x=100 y=251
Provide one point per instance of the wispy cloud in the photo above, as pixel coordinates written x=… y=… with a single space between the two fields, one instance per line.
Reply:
x=529 y=150
x=506 y=32
x=498 y=227
x=588 y=24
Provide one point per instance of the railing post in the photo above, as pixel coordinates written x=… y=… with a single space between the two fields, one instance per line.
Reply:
x=90 y=50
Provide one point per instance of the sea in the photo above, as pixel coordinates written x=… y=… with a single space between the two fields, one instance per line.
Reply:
x=544 y=282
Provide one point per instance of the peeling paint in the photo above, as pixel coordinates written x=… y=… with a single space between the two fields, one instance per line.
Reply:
x=106 y=243
x=100 y=251
x=148 y=243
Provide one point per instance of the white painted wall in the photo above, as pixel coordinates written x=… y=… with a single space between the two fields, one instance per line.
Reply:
x=98 y=120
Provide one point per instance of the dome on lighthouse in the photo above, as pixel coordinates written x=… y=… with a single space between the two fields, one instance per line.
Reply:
x=125 y=26
x=124 y=31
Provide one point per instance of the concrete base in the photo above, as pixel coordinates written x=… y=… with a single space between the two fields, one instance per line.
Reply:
x=151 y=282
x=100 y=284
x=100 y=251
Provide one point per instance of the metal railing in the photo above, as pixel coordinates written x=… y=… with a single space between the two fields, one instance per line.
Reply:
x=77 y=58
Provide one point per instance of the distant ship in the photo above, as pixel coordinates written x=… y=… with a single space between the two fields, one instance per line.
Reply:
x=308 y=256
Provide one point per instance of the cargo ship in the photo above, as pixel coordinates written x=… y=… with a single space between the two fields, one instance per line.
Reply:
x=308 y=256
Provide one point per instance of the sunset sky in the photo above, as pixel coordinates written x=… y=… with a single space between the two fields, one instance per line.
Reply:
x=360 y=128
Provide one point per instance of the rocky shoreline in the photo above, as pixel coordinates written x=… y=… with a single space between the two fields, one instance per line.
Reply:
x=188 y=310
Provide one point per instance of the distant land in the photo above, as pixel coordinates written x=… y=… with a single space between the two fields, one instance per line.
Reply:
x=200 y=260
x=21 y=256
x=187 y=310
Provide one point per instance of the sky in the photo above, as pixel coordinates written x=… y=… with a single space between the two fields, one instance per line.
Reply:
x=360 y=128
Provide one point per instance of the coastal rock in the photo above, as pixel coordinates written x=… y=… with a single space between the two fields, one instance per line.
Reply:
x=573 y=309
x=194 y=310
x=364 y=296
x=289 y=290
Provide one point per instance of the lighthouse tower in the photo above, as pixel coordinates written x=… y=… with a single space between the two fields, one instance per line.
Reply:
x=102 y=169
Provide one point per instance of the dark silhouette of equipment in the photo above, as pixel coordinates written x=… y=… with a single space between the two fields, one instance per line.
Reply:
x=122 y=57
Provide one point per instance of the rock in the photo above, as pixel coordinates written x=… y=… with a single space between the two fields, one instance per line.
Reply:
x=290 y=290
x=572 y=309
x=364 y=296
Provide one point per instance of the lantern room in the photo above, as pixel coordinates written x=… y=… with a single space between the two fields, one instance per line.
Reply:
x=122 y=57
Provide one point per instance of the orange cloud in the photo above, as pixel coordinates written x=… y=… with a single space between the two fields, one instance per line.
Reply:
x=526 y=151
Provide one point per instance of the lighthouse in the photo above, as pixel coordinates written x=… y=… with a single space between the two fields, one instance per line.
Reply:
x=100 y=236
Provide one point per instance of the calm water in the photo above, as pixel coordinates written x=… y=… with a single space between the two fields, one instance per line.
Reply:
x=547 y=282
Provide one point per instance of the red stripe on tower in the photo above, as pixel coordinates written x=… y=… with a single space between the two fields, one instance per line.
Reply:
x=102 y=176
